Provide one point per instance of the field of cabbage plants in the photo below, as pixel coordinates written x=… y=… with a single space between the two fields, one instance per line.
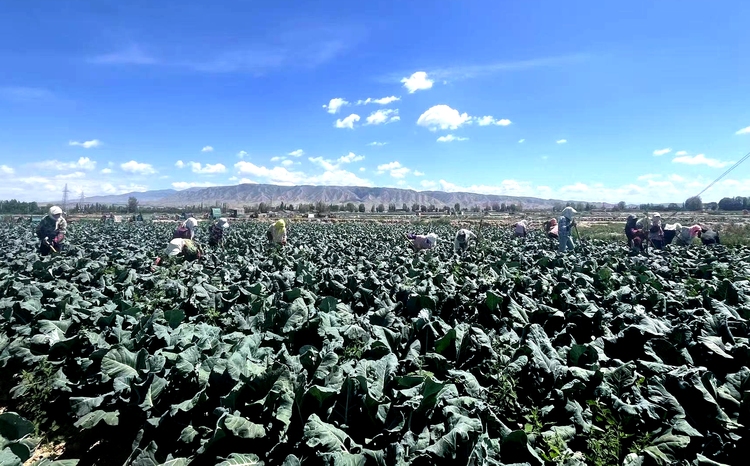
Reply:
x=347 y=348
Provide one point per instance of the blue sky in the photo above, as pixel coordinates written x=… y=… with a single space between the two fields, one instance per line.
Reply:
x=638 y=101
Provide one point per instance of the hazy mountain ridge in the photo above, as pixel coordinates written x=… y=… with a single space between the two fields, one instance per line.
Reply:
x=253 y=194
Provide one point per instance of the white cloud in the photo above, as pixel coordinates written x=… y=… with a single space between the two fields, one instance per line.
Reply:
x=381 y=101
x=335 y=105
x=489 y=120
x=562 y=141
x=208 y=168
x=660 y=152
x=395 y=169
x=138 y=168
x=179 y=185
x=428 y=184
x=71 y=176
x=442 y=117
x=649 y=176
x=83 y=163
x=207 y=149
x=361 y=169
x=287 y=163
x=417 y=82
x=676 y=178
x=377 y=144
x=106 y=171
x=451 y=138
x=179 y=164
x=296 y=153
x=383 y=116
x=276 y=159
x=682 y=152
x=506 y=188
x=744 y=131
x=347 y=122
x=6 y=170
x=282 y=176
x=418 y=173
x=350 y=158
x=701 y=159
x=521 y=141
x=242 y=154
x=326 y=164
x=86 y=144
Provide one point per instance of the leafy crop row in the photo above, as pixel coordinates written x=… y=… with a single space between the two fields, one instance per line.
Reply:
x=347 y=348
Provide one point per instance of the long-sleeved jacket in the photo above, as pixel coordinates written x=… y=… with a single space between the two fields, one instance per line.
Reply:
x=52 y=229
x=467 y=235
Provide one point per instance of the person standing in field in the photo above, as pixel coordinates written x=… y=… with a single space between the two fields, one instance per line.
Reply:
x=655 y=232
x=276 y=233
x=520 y=229
x=565 y=224
x=51 y=231
x=186 y=230
x=463 y=239
x=422 y=242
x=217 y=231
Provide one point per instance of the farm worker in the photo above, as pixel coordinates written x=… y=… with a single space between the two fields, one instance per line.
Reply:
x=520 y=229
x=420 y=242
x=180 y=247
x=276 y=233
x=564 y=224
x=631 y=230
x=550 y=226
x=685 y=235
x=51 y=231
x=670 y=231
x=463 y=239
x=655 y=232
x=216 y=234
x=709 y=236
x=186 y=230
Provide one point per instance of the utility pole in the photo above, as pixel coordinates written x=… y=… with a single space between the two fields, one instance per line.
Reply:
x=83 y=199
x=65 y=198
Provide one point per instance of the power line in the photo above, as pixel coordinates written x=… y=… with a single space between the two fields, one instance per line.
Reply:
x=724 y=174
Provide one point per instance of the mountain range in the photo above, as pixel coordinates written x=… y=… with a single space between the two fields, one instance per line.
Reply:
x=253 y=194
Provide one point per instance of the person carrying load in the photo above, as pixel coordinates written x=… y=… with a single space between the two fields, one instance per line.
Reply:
x=276 y=233
x=51 y=231
x=685 y=235
x=550 y=227
x=216 y=234
x=186 y=230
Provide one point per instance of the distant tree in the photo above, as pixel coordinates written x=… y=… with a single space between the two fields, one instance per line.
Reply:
x=674 y=207
x=496 y=206
x=503 y=207
x=361 y=208
x=263 y=208
x=457 y=207
x=432 y=208
x=728 y=203
x=620 y=206
x=132 y=204
x=415 y=207
x=381 y=207
x=391 y=207
x=372 y=208
x=694 y=204
x=321 y=207
x=405 y=207
x=423 y=208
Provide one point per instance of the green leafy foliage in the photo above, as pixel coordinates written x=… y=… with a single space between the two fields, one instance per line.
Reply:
x=346 y=347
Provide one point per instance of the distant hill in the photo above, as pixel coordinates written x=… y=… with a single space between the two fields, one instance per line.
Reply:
x=253 y=194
